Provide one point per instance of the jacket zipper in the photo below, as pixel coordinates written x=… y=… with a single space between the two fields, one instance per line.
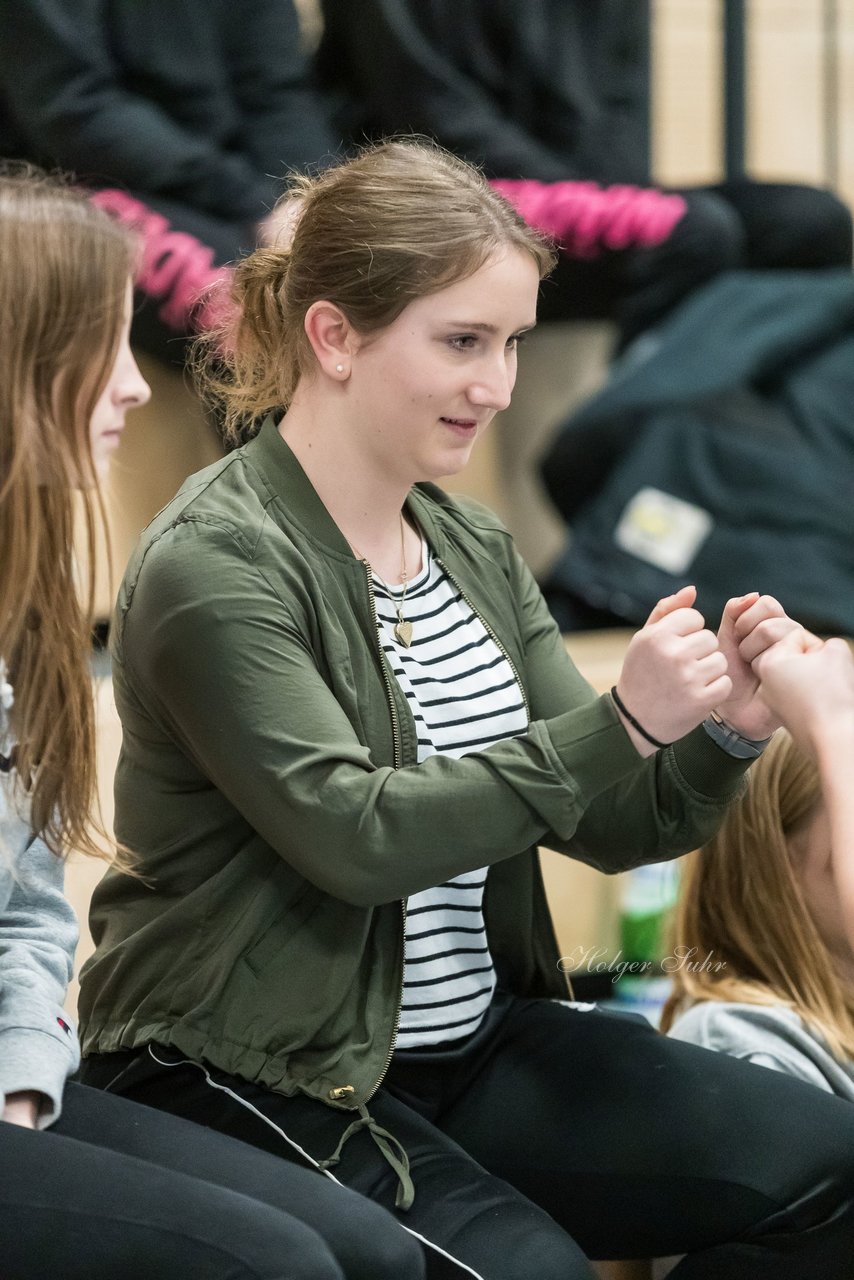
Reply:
x=498 y=644
x=398 y=761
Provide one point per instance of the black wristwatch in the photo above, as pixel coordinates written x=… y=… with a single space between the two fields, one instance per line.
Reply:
x=731 y=741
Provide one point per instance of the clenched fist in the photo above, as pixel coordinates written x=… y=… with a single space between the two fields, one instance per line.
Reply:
x=674 y=673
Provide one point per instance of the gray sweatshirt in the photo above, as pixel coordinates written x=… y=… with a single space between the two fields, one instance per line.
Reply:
x=38 y=935
x=770 y=1035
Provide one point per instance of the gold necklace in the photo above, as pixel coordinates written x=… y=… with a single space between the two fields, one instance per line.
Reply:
x=402 y=629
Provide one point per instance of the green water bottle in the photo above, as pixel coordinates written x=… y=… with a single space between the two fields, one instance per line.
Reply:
x=648 y=896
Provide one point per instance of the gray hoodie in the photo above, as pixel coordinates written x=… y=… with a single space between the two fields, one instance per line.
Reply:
x=770 y=1035
x=38 y=935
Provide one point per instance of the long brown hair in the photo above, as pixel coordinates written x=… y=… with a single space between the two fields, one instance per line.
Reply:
x=64 y=268
x=400 y=220
x=741 y=900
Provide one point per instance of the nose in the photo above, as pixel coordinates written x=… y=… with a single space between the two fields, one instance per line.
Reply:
x=132 y=390
x=494 y=387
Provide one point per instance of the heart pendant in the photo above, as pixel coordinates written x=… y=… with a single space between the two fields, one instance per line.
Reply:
x=403 y=632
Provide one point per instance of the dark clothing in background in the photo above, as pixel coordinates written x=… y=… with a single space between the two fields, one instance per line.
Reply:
x=725 y=459
x=730 y=226
x=547 y=89
x=197 y=108
x=206 y=101
x=556 y=90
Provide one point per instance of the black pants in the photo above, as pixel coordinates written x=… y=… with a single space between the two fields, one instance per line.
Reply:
x=555 y=1133
x=734 y=225
x=116 y=1191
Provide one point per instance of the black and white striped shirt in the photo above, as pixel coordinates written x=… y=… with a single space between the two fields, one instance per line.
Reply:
x=463 y=696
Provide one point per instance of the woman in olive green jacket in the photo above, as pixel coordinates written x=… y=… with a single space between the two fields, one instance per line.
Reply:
x=348 y=722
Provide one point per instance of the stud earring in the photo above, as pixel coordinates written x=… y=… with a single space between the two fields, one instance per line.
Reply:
x=339 y=368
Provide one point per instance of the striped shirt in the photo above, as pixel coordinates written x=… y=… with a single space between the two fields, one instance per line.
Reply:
x=463 y=696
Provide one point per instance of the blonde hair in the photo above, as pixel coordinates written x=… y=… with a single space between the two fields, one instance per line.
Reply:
x=741 y=899
x=64 y=268
x=400 y=220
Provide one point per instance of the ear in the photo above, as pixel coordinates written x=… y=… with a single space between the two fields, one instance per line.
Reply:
x=332 y=337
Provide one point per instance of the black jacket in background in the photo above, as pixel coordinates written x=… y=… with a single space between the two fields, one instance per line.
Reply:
x=200 y=101
x=545 y=89
x=723 y=459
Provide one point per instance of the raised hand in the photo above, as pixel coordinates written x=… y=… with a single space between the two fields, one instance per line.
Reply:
x=751 y=626
x=674 y=673
x=809 y=687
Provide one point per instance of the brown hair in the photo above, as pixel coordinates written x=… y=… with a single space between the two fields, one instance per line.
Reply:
x=399 y=221
x=741 y=899
x=64 y=267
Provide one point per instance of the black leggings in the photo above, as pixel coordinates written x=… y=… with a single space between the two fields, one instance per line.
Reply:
x=559 y=1133
x=734 y=225
x=115 y=1191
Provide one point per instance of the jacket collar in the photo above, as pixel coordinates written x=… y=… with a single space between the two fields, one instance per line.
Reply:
x=291 y=490
x=299 y=503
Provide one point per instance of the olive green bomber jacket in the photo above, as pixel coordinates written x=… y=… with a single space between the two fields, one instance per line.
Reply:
x=267 y=784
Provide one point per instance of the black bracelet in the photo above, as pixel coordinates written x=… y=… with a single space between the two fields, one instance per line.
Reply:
x=621 y=706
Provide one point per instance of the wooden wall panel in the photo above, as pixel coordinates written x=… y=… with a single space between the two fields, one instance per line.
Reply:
x=686 y=91
x=784 y=67
x=791 y=78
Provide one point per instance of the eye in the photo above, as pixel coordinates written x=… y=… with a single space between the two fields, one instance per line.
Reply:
x=463 y=341
x=515 y=338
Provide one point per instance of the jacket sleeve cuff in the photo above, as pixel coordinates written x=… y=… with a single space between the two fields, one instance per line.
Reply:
x=39 y=1061
x=711 y=773
x=592 y=749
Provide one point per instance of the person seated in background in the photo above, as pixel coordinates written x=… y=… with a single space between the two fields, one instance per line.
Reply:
x=93 y=1187
x=183 y=117
x=549 y=96
x=765 y=922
